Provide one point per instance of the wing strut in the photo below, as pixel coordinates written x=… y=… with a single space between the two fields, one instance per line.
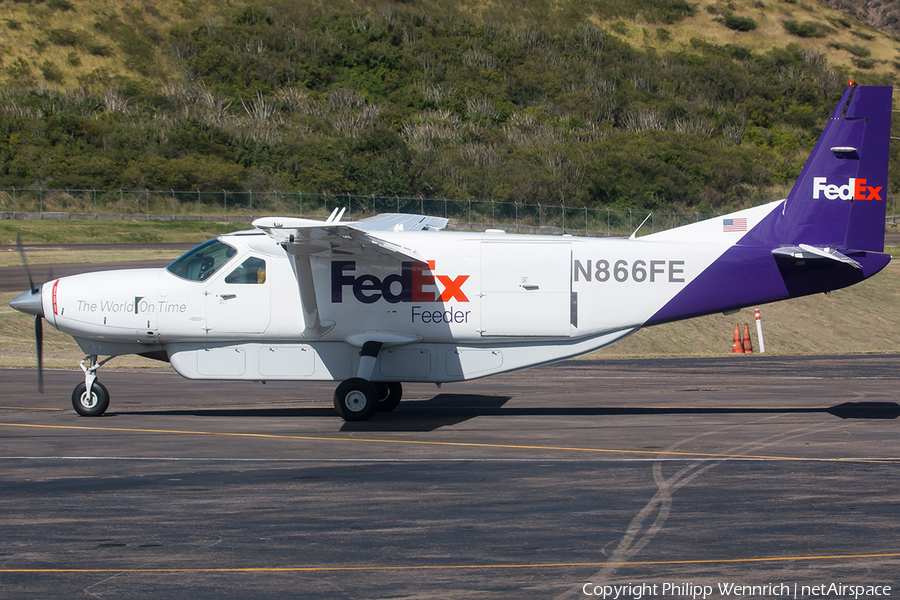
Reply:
x=300 y=262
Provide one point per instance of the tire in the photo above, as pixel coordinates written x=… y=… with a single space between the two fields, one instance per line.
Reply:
x=389 y=395
x=94 y=407
x=356 y=399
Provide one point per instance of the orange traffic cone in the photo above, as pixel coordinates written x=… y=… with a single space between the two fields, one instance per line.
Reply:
x=748 y=345
x=737 y=347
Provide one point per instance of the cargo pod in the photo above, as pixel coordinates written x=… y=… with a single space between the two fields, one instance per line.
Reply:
x=525 y=289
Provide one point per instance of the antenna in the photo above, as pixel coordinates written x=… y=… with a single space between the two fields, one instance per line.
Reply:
x=634 y=235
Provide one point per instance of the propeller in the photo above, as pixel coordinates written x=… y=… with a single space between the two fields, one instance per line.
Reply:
x=39 y=342
x=30 y=302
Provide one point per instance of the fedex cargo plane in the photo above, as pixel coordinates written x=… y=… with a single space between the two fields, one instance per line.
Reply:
x=392 y=299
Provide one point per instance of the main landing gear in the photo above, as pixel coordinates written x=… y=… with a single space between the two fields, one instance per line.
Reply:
x=358 y=398
x=91 y=398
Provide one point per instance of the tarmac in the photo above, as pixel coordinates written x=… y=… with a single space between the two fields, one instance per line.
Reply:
x=673 y=476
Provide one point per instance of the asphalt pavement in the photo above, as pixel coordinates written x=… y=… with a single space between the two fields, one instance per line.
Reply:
x=692 y=473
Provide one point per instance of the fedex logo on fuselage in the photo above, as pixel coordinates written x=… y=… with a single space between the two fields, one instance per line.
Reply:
x=856 y=189
x=410 y=285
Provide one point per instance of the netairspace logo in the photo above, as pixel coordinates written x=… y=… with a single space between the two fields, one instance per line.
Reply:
x=637 y=591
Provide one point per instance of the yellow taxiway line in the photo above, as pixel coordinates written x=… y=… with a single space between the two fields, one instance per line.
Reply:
x=445 y=444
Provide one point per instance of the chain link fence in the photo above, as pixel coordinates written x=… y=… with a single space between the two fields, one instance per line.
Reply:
x=245 y=206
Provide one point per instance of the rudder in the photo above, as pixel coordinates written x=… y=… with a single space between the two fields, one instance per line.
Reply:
x=839 y=200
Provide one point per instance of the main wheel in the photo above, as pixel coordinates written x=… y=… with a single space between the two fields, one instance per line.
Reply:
x=356 y=399
x=389 y=395
x=94 y=406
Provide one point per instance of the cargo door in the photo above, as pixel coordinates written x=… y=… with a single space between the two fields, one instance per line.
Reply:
x=525 y=289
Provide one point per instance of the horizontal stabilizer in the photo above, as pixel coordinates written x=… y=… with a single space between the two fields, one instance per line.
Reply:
x=805 y=251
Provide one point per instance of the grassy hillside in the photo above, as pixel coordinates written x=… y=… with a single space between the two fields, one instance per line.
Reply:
x=650 y=105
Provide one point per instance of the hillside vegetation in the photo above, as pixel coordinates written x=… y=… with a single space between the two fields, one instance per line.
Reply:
x=651 y=105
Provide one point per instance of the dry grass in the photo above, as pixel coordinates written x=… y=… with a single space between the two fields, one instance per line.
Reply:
x=24 y=26
x=770 y=32
x=8 y=257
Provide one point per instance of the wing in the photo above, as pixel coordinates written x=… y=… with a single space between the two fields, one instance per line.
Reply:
x=305 y=236
x=302 y=238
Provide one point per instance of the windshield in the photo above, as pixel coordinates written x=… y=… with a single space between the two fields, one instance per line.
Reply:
x=201 y=262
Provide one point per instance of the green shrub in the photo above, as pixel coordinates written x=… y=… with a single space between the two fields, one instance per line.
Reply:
x=860 y=51
x=61 y=5
x=63 y=37
x=739 y=23
x=51 y=72
x=807 y=29
x=862 y=36
x=99 y=50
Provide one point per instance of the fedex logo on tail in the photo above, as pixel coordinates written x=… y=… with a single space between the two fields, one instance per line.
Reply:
x=856 y=189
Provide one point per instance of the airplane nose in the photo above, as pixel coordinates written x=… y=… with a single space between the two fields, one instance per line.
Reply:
x=29 y=302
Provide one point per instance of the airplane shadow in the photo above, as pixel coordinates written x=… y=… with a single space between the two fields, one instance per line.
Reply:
x=445 y=410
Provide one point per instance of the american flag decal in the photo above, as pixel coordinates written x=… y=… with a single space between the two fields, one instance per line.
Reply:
x=734 y=224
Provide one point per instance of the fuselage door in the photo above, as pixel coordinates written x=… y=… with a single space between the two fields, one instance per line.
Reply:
x=525 y=289
x=238 y=300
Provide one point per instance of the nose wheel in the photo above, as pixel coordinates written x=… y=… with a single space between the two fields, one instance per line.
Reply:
x=92 y=405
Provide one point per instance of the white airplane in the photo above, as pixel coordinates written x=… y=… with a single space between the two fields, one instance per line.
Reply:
x=392 y=299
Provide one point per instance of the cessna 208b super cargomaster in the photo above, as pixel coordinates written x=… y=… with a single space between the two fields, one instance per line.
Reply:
x=392 y=299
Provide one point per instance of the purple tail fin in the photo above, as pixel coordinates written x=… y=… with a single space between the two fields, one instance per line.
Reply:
x=839 y=200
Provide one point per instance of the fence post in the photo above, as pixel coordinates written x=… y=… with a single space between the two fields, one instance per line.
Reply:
x=493 y=214
x=421 y=205
x=251 y=205
x=349 y=206
x=540 y=216
x=516 y=204
x=42 y=201
x=67 y=202
x=276 y=203
x=225 y=203
x=198 y=206
x=15 y=203
x=94 y=194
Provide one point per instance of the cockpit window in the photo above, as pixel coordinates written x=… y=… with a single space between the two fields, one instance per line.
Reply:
x=252 y=270
x=200 y=263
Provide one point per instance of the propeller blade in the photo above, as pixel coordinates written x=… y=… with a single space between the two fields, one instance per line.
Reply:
x=39 y=342
x=24 y=260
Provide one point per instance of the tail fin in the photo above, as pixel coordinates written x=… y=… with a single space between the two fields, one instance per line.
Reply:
x=839 y=200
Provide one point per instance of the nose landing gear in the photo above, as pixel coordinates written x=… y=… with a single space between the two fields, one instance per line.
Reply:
x=91 y=398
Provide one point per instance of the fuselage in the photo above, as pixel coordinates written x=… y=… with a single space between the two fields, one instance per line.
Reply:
x=474 y=305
